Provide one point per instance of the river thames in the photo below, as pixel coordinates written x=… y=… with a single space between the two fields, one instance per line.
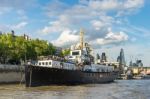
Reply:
x=120 y=89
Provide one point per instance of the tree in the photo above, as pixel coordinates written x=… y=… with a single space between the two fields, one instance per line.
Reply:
x=65 y=52
x=16 y=48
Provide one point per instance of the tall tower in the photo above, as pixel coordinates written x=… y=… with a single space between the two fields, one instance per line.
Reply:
x=122 y=62
x=103 y=57
x=81 y=38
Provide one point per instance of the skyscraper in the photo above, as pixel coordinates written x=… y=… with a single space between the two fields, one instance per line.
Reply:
x=121 y=60
x=103 y=57
x=97 y=56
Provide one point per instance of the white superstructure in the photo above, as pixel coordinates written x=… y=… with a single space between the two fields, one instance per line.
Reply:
x=79 y=59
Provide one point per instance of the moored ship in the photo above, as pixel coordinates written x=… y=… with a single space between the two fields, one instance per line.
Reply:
x=78 y=68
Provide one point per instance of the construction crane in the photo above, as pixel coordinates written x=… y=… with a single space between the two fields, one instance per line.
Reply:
x=81 y=39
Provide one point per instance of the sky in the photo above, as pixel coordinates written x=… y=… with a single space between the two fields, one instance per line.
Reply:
x=109 y=25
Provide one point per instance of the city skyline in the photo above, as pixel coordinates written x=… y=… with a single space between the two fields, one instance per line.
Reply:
x=109 y=25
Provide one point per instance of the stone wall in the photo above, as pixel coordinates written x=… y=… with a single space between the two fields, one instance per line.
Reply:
x=11 y=73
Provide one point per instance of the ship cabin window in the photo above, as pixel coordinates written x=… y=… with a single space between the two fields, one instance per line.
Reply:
x=49 y=63
x=39 y=63
x=75 y=53
x=42 y=63
x=46 y=63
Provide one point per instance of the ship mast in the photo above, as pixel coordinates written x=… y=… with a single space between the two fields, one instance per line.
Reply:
x=81 y=39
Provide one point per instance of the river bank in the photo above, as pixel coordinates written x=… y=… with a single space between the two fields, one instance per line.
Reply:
x=11 y=74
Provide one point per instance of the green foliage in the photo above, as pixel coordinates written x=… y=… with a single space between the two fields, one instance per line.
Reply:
x=13 y=49
x=65 y=52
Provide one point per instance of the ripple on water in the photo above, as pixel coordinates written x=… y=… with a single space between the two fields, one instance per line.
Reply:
x=121 y=89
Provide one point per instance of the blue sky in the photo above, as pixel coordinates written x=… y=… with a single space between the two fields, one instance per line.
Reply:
x=109 y=25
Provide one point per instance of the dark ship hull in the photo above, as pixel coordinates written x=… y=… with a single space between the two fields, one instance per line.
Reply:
x=39 y=76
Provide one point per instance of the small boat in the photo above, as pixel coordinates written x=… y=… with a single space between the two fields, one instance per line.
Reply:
x=146 y=76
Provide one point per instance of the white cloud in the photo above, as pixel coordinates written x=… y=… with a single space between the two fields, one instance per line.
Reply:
x=104 y=21
x=8 y=28
x=104 y=4
x=97 y=24
x=111 y=38
x=66 y=38
x=130 y=4
x=19 y=25
x=85 y=12
x=55 y=26
x=136 y=31
x=130 y=7
x=94 y=16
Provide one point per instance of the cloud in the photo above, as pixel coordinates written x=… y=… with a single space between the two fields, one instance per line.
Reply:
x=133 y=4
x=113 y=38
x=104 y=4
x=130 y=6
x=54 y=8
x=136 y=31
x=66 y=38
x=54 y=27
x=95 y=16
x=8 y=28
x=102 y=22
x=19 y=25
x=17 y=4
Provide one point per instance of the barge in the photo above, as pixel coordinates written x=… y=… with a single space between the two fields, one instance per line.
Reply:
x=78 y=68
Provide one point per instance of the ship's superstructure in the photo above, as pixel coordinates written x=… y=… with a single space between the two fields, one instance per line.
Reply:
x=76 y=69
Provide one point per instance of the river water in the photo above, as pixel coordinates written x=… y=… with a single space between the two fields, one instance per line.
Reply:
x=120 y=89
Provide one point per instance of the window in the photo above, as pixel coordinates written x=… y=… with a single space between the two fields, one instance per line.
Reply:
x=75 y=53
x=39 y=63
x=42 y=63
x=46 y=63
x=49 y=63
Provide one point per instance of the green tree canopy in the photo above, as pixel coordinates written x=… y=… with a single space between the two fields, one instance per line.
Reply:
x=13 y=49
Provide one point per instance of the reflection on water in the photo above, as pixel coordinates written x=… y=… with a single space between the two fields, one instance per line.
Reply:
x=121 y=89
